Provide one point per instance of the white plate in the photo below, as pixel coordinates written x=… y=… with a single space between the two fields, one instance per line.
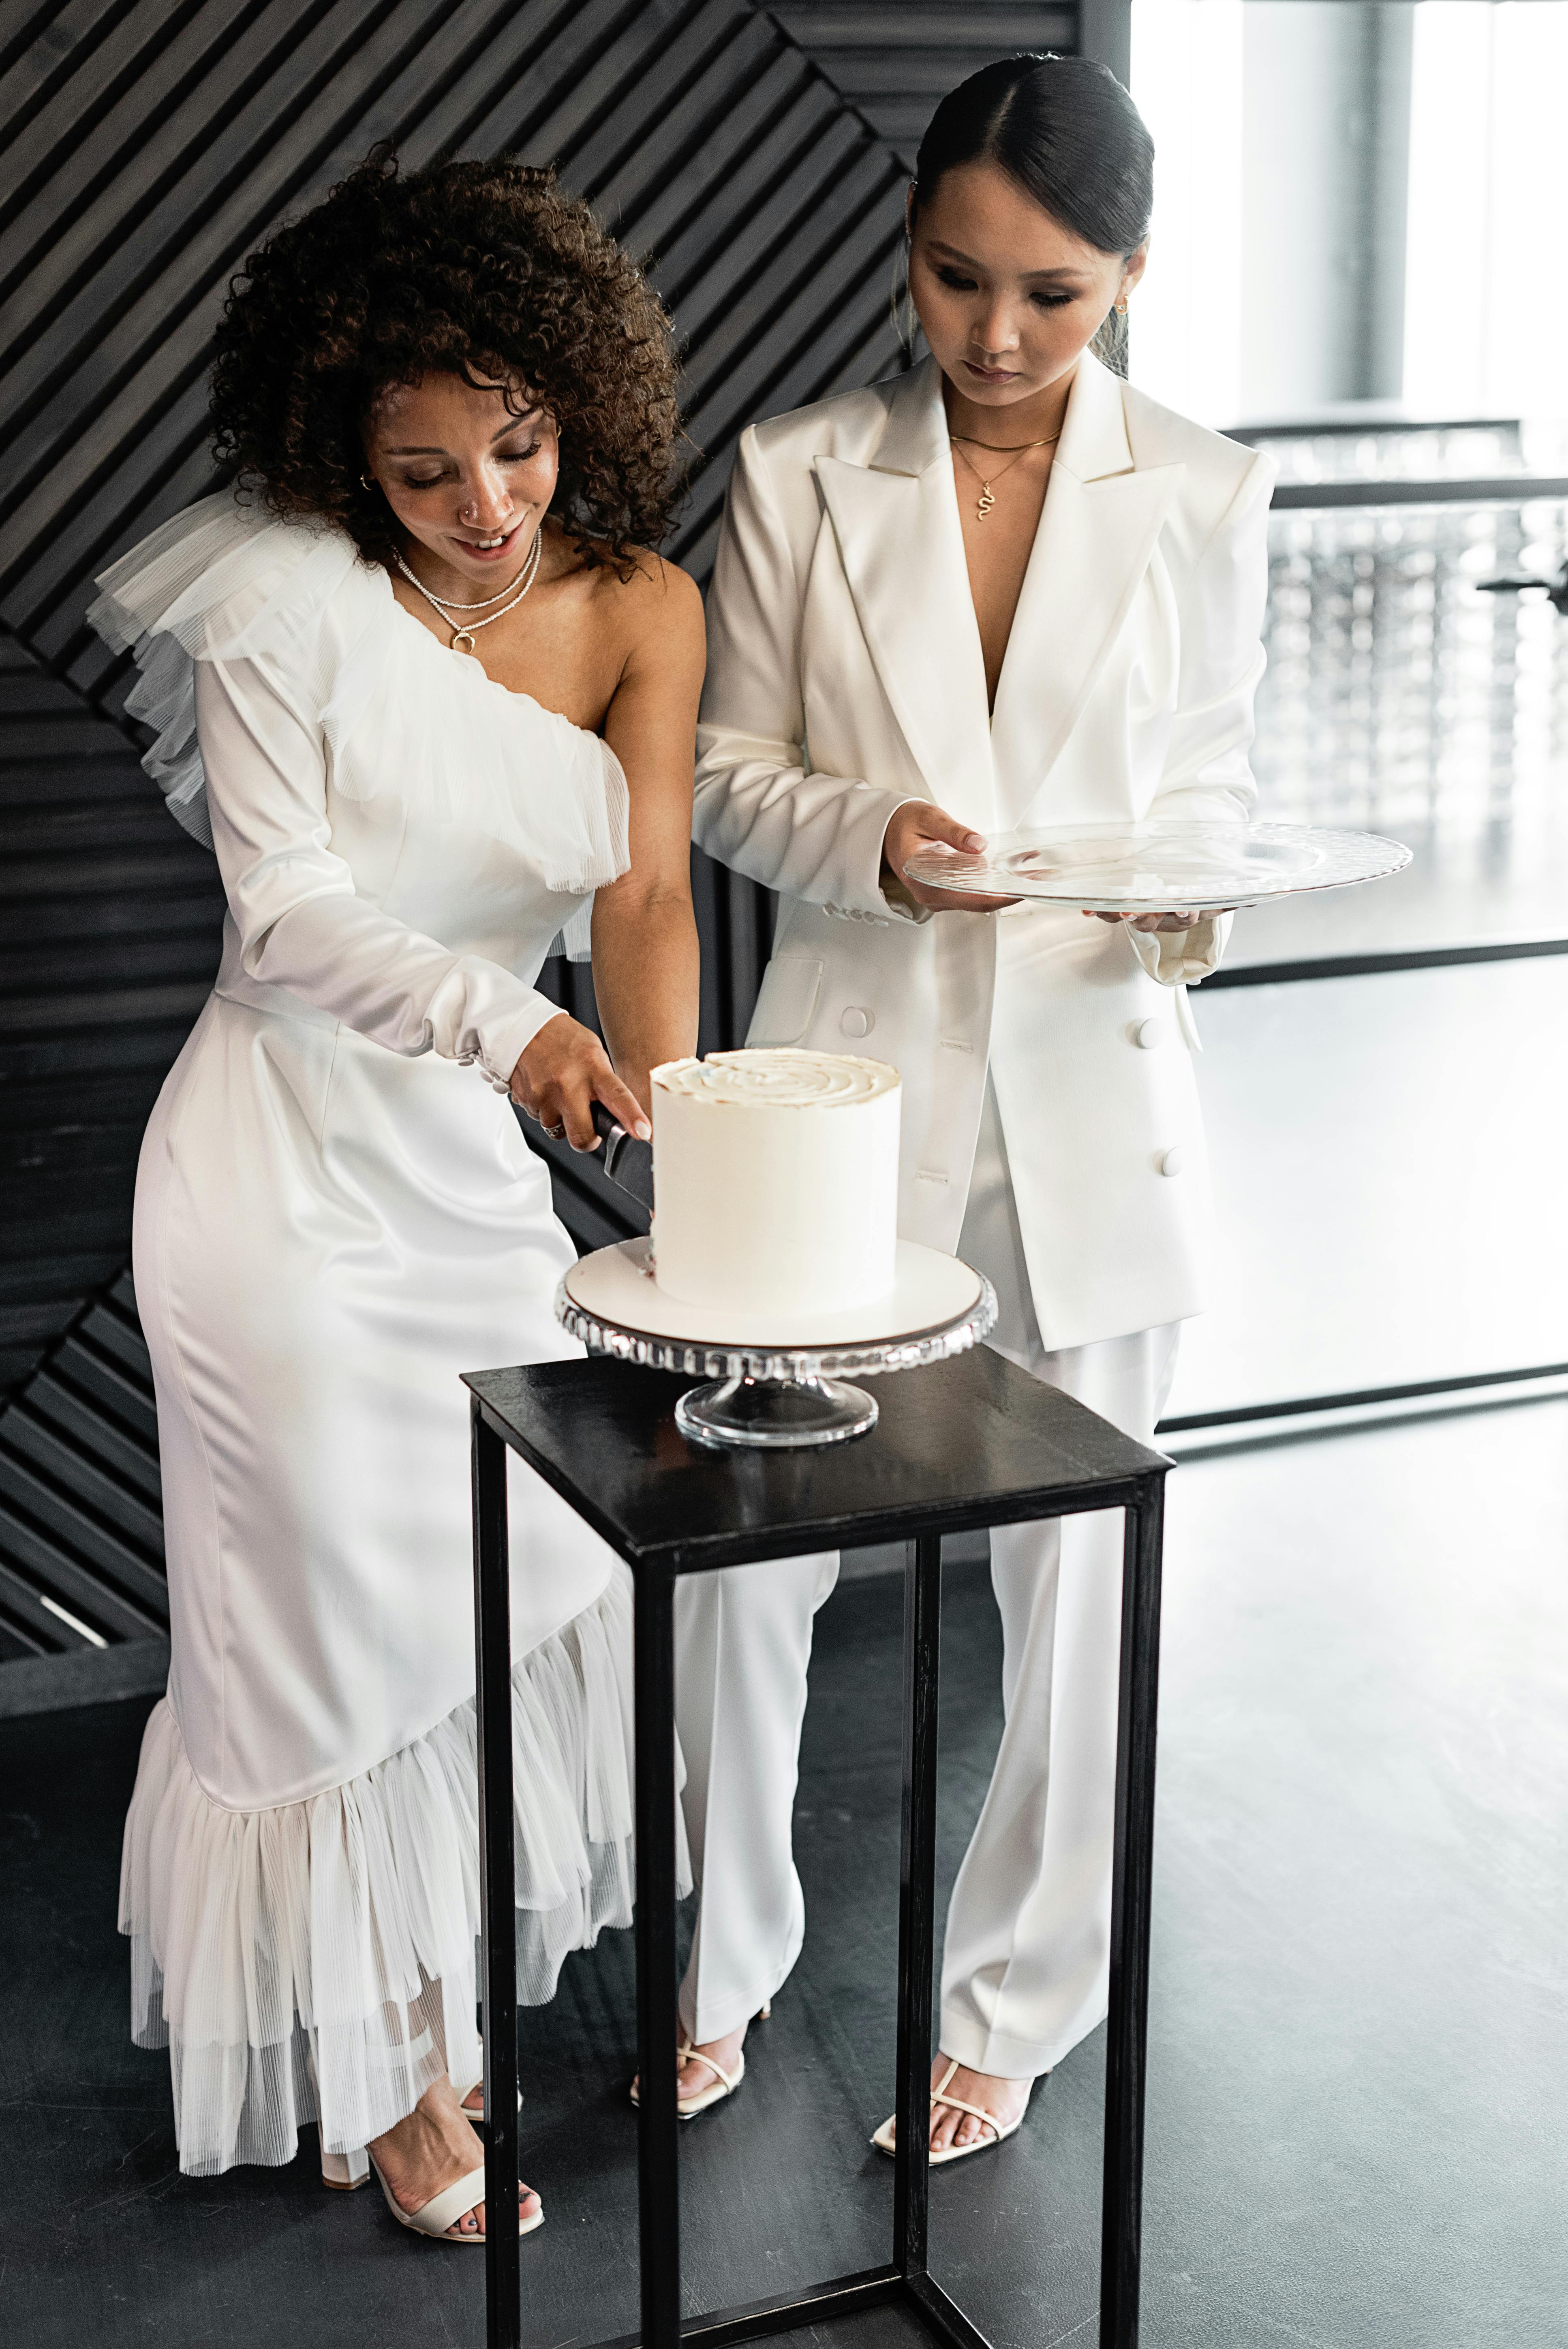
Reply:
x=1161 y=868
x=615 y=1285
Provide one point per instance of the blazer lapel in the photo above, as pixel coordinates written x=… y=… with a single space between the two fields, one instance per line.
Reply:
x=896 y=525
x=1094 y=544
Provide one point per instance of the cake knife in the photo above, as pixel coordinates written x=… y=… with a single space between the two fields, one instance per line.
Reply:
x=627 y=1161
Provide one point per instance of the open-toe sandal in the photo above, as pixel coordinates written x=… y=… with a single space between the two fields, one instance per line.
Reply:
x=475 y=2118
x=723 y=2084
x=347 y=2170
x=885 y=2140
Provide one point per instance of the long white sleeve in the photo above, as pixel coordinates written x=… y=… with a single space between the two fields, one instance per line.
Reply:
x=300 y=922
x=758 y=807
x=1208 y=777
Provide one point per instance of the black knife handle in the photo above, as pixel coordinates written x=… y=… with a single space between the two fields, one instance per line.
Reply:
x=627 y=1161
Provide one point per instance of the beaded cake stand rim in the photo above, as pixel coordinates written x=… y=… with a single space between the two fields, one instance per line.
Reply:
x=707 y=1358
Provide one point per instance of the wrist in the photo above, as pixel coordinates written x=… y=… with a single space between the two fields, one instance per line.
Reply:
x=894 y=845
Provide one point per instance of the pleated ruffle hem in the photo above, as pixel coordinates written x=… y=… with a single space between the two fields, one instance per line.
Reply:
x=317 y=1962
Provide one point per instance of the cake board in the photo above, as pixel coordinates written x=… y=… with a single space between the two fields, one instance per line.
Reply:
x=776 y=1381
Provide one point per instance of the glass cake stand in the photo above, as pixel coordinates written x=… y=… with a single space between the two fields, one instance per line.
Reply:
x=775 y=1384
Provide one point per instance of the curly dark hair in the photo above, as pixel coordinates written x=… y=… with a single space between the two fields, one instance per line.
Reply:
x=486 y=271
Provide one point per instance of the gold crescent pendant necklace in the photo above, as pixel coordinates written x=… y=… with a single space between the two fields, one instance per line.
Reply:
x=986 y=498
x=463 y=637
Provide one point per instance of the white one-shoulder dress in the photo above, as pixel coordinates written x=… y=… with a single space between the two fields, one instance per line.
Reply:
x=336 y=1215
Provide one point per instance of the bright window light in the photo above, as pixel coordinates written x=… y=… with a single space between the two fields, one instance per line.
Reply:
x=1186 y=315
x=1486 y=301
x=1485 y=295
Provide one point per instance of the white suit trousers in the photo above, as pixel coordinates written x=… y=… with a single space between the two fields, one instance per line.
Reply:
x=1026 y=1966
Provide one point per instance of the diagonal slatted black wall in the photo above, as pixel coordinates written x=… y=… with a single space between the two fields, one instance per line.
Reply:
x=109 y=919
x=895 y=64
x=759 y=155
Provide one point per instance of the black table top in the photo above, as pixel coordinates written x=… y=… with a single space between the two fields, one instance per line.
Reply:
x=964 y=1443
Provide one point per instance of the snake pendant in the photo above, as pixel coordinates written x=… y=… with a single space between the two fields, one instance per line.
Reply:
x=985 y=502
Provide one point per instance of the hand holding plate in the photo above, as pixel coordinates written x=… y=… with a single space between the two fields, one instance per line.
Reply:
x=1163 y=875
x=918 y=827
x=1163 y=921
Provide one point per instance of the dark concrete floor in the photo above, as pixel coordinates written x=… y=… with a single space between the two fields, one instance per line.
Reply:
x=1359 y=2058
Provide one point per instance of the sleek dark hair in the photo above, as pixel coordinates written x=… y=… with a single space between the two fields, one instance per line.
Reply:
x=1067 y=133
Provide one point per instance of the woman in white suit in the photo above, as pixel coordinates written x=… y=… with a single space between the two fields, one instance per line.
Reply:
x=1003 y=589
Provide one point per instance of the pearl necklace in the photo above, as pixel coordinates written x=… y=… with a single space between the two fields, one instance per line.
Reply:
x=463 y=637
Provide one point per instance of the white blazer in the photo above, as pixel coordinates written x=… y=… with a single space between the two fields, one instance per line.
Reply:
x=845 y=676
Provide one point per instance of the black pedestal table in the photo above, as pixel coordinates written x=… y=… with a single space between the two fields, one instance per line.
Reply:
x=963 y=1444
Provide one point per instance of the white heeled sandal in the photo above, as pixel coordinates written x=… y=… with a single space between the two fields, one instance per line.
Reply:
x=474 y=2114
x=725 y=2084
x=344 y=2171
x=885 y=2140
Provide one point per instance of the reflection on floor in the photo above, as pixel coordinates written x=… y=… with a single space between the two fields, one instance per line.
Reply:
x=1360 y=2057
x=1388 y=1156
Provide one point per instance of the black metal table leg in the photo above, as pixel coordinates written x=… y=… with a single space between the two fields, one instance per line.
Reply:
x=1131 y=1894
x=917 y=1899
x=977 y=1440
x=658 y=2124
x=498 y=1918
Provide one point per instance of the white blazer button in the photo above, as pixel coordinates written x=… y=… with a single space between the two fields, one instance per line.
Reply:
x=1170 y=1162
x=1149 y=1034
x=856 y=1021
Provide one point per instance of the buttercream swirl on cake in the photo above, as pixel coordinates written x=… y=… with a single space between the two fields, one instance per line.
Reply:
x=780 y=1077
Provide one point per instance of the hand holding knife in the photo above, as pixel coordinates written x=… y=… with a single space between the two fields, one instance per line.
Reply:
x=627 y=1161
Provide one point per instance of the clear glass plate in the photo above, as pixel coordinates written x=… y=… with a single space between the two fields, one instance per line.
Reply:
x=1161 y=868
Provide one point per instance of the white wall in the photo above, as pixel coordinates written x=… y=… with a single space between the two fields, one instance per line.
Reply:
x=1325 y=155
x=1300 y=223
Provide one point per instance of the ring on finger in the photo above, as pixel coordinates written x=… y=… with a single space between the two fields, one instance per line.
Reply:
x=556 y=1132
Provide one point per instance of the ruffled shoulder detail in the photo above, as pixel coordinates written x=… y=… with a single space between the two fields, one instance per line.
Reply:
x=407 y=718
x=214 y=583
x=402 y=717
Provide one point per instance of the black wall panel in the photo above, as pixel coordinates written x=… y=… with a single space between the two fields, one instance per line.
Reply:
x=758 y=156
x=109 y=936
x=895 y=64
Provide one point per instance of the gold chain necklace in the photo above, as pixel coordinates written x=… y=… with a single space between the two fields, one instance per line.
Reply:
x=998 y=447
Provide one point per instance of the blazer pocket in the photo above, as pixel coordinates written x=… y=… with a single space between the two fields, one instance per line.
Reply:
x=787 y=1000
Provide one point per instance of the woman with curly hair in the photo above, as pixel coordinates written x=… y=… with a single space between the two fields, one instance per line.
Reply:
x=417 y=682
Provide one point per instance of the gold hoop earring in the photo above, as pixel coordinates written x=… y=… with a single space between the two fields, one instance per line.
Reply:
x=366 y=479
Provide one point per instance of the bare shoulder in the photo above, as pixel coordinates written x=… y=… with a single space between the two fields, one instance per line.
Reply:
x=651 y=583
x=652 y=604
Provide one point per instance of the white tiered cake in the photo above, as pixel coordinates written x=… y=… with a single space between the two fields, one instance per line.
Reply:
x=775 y=1180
